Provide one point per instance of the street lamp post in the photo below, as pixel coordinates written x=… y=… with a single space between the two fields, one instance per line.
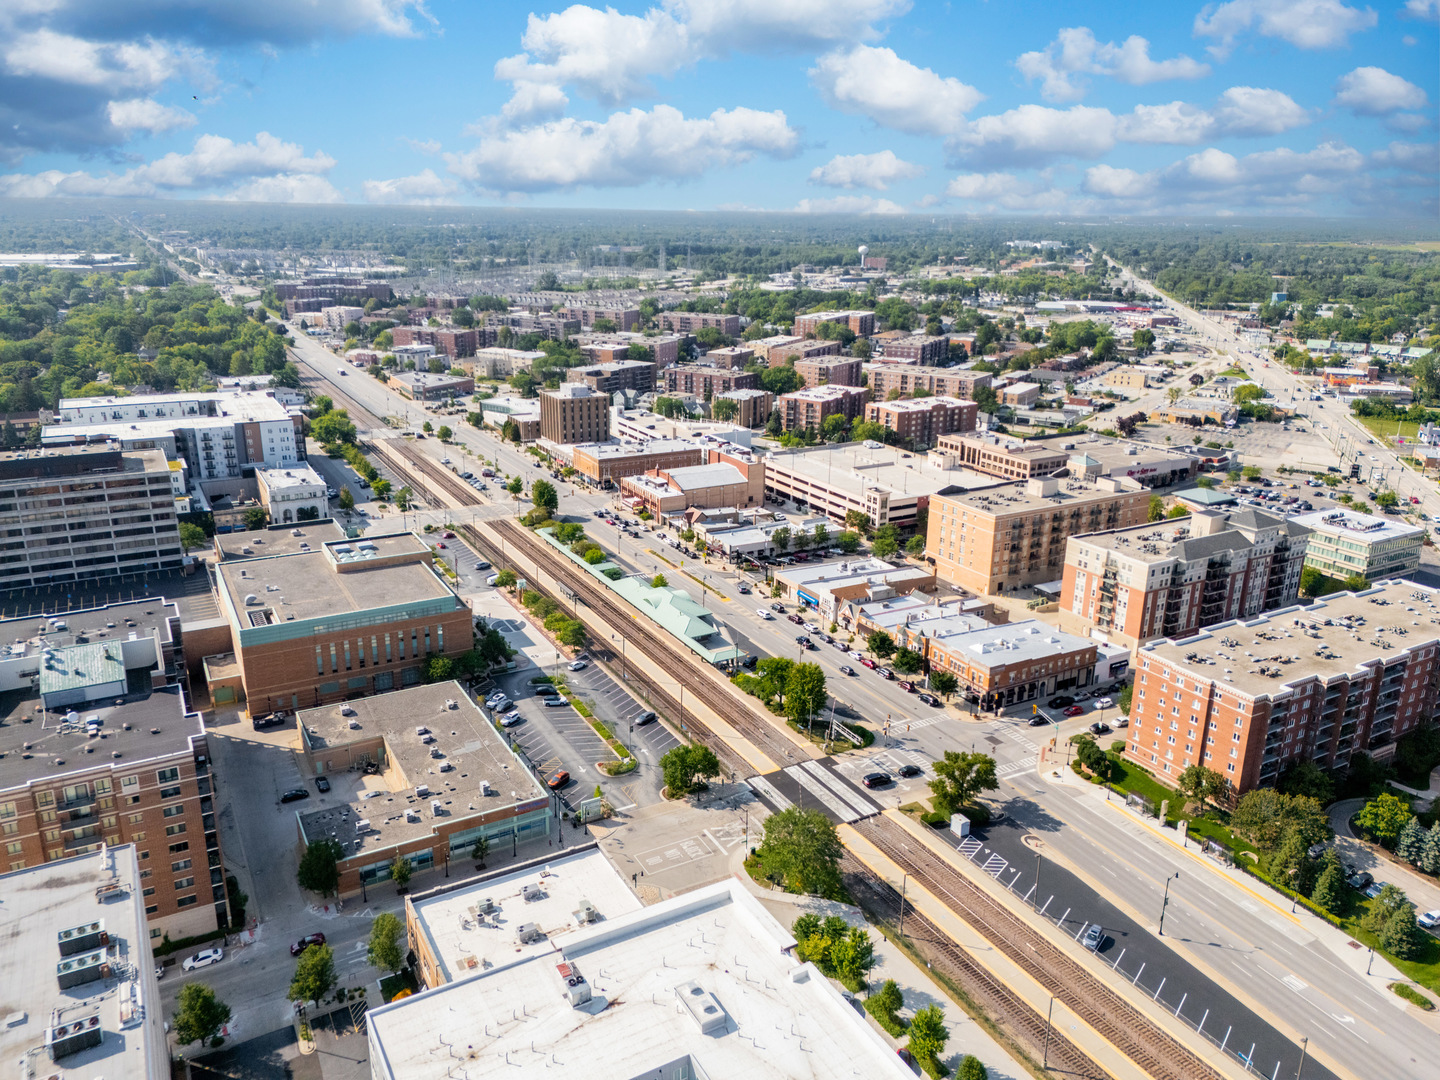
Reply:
x=1166 y=902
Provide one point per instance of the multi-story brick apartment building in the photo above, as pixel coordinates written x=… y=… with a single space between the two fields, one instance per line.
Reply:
x=1315 y=684
x=859 y=323
x=337 y=318
x=1172 y=578
x=996 y=455
x=662 y=350
x=689 y=322
x=907 y=378
x=1006 y=537
x=340 y=620
x=74 y=513
x=102 y=678
x=920 y=349
x=554 y=327
x=707 y=382
x=732 y=356
x=922 y=422
x=755 y=406
x=635 y=375
x=784 y=351
x=334 y=289
x=620 y=318
x=574 y=413
x=829 y=370
x=810 y=407
x=454 y=343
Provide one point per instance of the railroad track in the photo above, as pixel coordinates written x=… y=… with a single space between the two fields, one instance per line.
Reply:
x=1159 y=1054
x=427 y=477
x=758 y=730
x=1005 y=1008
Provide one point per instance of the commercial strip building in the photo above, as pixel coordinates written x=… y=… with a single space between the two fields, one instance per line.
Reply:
x=907 y=378
x=670 y=491
x=827 y=587
x=1014 y=535
x=728 y=999
x=339 y=619
x=1013 y=663
x=707 y=382
x=922 y=422
x=74 y=513
x=887 y=484
x=429 y=385
x=1345 y=542
x=606 y=463
x=291 y=495
x=419 y=774
x=1171 y=578
x=614 y=378
x=1318 y=684
x=998 y=455
x=574 y=413
x=808 y=409
x=78 y=970
x=1196 y=412
x=1094 y=456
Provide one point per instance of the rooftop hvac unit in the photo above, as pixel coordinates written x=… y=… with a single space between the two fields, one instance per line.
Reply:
x=82 y=968
x=525 y=933
x=412 y=814
x=421 y=790
x=435 y=807
x=86 y=938
x=577 y=990
x=586 y=913
x=62 y=1040
x=532 y=891
x=362 y=825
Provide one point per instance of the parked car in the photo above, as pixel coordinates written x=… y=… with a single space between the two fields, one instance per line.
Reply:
x=269 y=720
x=858 y=655
x=908 y=771
x=744 y=590
x=1038 y=721
x=1373 y=889
x=931 y=700
x=885 y=673
x=1359 y=880
x=778 y=607
x=1428 y=920
x=547 y=690
x=908 y=687
x=203 y=958
x=750 y=662
x=492 y=579
x=876 y=779
x=1098 y=728
x=1074 y=710
x=1104 y=703
x=867 y=662
x=1094 y=938
x=294 y=795
x=796 y=619
x=558 y=780
x=579 y=665
x=510 y=719
x=556 y=702
x=305 y=942
x=482 y=565
x=645 y=718
x=1060 y=701
x=322 y=784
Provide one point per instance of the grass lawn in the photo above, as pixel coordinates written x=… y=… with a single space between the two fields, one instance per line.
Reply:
x=1133 y=779
x=1387 y=429
x=1424 y=968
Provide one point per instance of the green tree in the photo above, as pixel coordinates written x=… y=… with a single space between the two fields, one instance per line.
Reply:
x=347 y=500
x=915 y=545
x=885 y=1005
x=852 y=957
x=804 y=692
x=444 y=434
x=724 y=409
x=192 y=536
x=688 y=768
x=506 y=579
x=427 y=427
x=573 y=634
x=515 y=485
x=928 y=1034
x=848 y=542
x=480 y=849
x=400 y=871
x=803 y=849
x=1411 y=843
x=334 y=427
x=780 y=380
x=1177 y=512
x=659 y=581
x=781 y=538
x=1329 y=891
x=907 y=661
x=200 y=1014
x=384 y=951
x=1383 y=817
x=971 y=1068
x=959 y=778
x=1307 y=778
x=881 y=644
x=403 y=497
x=885 y=547
x=1143 y=340
x=256 y=518
x=314 y=975
x=1264 y=816
x=1157 y=508
x=1202 y=784
x=1402 y=936
x=1290 y=863
x=1430 y=855
x=820 y=535
x=986 y=398
x=944 y=683
x=544 y=496
x=1383 y=908
x=318 y=872
x=835 y=427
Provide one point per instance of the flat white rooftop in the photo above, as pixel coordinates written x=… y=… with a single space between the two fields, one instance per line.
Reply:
x=703 y=985
x=1359 y=528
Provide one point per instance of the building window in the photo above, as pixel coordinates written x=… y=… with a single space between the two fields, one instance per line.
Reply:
x=173 y=811
x=175 y=830
x=165 y=776
x=184 y=883
x=319 y=662
x=170 y=793
x=176 y=849
x=183 y=864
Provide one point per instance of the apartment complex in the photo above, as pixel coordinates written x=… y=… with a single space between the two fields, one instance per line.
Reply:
x=553 y=327
x=337 y=318
x=574 y=413
x=77 y=967
x=587 y=315
x=919 y=349
x=732 y=356
x=754 y=406
x=688 y=322
x=997 y=455
x=1318 y=684
x=809 y=408
x=707 y=382
x=444 y=778
x=924 y=421
x=73 y=513
x=1014 y=535
x=1345 y=542
x=605 y=463
x=829 y=370
x=613 y=378
x=1172 y=578
x=455 y=343
x=859 y=323
x=662 y=350
x=495 y=362
x=781 y=351
x=291 y=495
x=907 y=378
x=335 y=620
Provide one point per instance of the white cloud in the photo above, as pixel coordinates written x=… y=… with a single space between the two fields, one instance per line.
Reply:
x=531 y=101
x=1422 y=9
x=53 y=182
x=1006 y=191
x=1414 y=157
x=766 y=25
x=1306 y=24
x=216 y=159
x=1241 y=111
x=626 y=149
x=147 y=114
x=127 y=65
x=287 y=188
x=424 y=188
x=848 y=204
x=874 y=171
x=1113 y=183
x=895 y=93
x=1034 y=133
x=1075 y=53
x=1373 y=91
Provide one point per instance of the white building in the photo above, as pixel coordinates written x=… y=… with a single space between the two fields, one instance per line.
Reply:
x=1344 y=542
x=701 y=985
x=293 y=494
x=338 y=317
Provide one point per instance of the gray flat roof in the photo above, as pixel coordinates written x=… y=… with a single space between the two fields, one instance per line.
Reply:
x=278 y=541
x=1354 y=526
x=1015 y=643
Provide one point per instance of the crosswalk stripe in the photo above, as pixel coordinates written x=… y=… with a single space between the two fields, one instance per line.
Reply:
x=840 y=787
x=821 y=792
x=769 y=792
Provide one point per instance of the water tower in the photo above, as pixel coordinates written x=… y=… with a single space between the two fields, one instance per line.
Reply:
x=863 y=252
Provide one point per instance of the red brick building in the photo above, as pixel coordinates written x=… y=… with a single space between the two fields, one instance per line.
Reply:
x=921 y=422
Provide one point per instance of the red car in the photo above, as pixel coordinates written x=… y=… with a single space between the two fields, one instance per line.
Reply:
x=559 y=780
x=440 y=545
x=869 y=663
x=305 y=942
x=1074 y=710
x=908 y=687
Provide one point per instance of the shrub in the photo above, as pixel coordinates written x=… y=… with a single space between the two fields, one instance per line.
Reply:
x=1409 y=993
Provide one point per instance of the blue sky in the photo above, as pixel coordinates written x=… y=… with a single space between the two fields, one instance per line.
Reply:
x=1253 y=107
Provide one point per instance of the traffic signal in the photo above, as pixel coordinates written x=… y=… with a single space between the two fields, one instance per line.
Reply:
x=1034 y=710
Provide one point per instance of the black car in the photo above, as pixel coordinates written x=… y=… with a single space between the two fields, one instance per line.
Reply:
x=295 y=795
x=546 y=690
x=1098 y=728
x=750 y=662
x=322 y=784
x=645 y=718
x=1060 y=701
x=269 y=720
x=931 y=700
x=908 y=771
x=1038 y=721
x=875 y=779
x=846 y=669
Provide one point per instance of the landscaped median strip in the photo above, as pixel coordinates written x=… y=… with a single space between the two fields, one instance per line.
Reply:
x=626 y=762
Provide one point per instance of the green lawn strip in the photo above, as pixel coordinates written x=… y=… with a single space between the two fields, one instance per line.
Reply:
x=1409 y=993
x=1385 y=429
x=706 y=585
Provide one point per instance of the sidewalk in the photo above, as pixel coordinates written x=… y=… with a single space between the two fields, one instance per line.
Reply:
x=1423 y=890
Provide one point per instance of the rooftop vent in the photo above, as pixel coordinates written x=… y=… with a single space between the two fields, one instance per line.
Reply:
x=703 y=1008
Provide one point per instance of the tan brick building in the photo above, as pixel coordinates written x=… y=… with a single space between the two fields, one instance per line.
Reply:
x=907 y=378
x=688 y=322
x=708 y=487
x=810 y=407
x=755 y=406
x=606 y=463
x=1007 y=537
x=574 y=413
x=1223 y=700
x=707 y=382
x=829 y=370
x=732 y=357
x=859 y=323
x=781 y=353
x=996 y=455
x=923 y=421
x=920 y=349
x=1020 y=395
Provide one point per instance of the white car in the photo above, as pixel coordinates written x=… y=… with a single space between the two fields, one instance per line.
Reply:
x=203 y=958
x=510 y=719
x=764 y=614
x=1104 y=703
x=579 y=665
x=492 y=579
x=1429 y=920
